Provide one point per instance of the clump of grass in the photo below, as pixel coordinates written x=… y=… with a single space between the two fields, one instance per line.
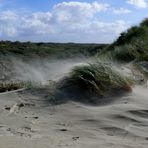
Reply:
x=10 y=86
x=124 y=53
x=136 y=51
x=99 y=79
x=15 y=85
x=142 y=67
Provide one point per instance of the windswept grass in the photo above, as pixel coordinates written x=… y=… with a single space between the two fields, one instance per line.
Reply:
x=98 y=79
x=142 y=67
x=131 y=45
x=10 y=86
x=15 y=85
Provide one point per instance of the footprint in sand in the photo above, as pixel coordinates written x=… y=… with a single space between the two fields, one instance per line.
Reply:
x=16 y=107
x=25 y=132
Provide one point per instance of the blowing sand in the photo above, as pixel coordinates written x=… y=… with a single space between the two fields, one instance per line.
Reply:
x=28 y=120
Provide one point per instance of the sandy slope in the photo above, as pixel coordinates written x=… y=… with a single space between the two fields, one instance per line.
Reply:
x=27 y=120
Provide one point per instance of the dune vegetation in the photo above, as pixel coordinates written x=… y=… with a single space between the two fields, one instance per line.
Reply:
x=50 y=50
x=99 y=77
x=131 y=45
x=10 y=86
x=102 y=79
x=94 y=81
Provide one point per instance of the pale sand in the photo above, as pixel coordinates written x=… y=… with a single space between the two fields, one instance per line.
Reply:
x=37 y=124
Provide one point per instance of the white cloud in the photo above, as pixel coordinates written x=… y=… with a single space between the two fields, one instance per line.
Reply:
x=138 y=3
x=8 y=25
x=36 y=24
x=77 y=11
x=8 y=15
x=67 y=22
x=121 y=11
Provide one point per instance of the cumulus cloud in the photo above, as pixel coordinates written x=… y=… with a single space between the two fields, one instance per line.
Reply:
x=8 y=25
x=138 y=3
x=36 y=24
x=121 y=11
x=66 y=22
x=77 y=11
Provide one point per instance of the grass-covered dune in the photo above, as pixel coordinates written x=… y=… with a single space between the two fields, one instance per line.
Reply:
x=131 y=44
x=130 y=47
x=90 y=83
x=101 y=79
x=55 y=50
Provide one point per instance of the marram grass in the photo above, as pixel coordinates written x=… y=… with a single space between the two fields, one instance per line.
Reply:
x=10 y=86
x=98 y=79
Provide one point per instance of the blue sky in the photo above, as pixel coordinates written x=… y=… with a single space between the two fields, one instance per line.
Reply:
x=89 y=21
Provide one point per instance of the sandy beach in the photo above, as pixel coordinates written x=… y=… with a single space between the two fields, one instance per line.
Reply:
x=27 y=119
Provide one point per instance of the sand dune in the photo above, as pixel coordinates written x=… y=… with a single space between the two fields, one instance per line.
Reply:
x=27 y=119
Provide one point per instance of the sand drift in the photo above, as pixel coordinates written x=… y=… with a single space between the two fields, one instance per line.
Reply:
x=18 y=74
x=42 y=70
x=60 y=111
x=83 y=80
x=122 y=123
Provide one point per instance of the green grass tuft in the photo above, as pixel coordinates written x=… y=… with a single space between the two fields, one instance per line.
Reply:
x=10 y=86
x=98 y=79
